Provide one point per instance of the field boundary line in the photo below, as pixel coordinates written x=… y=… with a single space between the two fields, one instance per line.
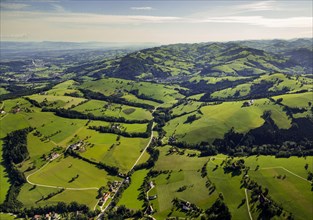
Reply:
x=280 y=167
x=56 y=187
x=4 y=116
x=248 y=206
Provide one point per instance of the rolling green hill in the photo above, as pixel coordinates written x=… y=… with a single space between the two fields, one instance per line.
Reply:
x=176 y=131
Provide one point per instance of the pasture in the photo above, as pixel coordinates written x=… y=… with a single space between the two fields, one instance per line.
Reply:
x=130 y=195
x=32 y=196
x=215 y=120
x=111 y=86
x=75 y=174
x=183 y=171
x=102 y=108
x=53 y=101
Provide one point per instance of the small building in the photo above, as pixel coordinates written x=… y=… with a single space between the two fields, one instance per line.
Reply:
x=36 y=217
x=151 y=184
x=153 y=197
x=186 y=206
x=54 y=155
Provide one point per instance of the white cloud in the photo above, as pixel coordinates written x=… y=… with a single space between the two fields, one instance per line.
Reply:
x=259 y=6
x=13 y=6
x=99 y=19
x=291 y=22
x=142 y=8
x=58 y=8
x=14 y=36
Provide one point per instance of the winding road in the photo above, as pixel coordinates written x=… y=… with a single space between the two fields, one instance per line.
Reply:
x=136 y=162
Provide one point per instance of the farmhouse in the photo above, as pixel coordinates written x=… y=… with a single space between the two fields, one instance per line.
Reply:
x=151 y=184
x=54 y=155
x=186 y=206
x=127 y=180
x=114 y=186
x=153 y=197
x=104 y=198
x=77 y=146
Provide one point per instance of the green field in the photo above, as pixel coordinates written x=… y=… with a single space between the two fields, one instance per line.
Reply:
x=216 y=120
x=53 y=101
x=102 y=108
x=131 y=194
x=107 y=149
x=89 y=175
x=184 y=171
x=191 y=113
x=112 y=86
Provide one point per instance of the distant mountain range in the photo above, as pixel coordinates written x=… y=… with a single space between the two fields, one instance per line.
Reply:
x=241 y=58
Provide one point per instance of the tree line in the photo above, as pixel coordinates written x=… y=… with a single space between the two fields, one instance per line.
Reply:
x=14 y=152
x=115 y=130
x=66 y=113
x=88 y=94
x=112 y=170
x=267 y=139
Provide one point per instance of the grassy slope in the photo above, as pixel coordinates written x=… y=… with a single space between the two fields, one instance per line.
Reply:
x=122 y=155
x=293 y=193
x=229 y=186
x=166 y=188
x=130 y=195
x=218 y=119
x=112 y=86
x=97 y=108
x=89 y=175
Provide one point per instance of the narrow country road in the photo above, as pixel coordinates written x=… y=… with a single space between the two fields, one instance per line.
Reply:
x=143 y=151
x=248 y=206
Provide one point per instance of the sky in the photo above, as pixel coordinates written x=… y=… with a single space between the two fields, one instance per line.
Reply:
x=157 y=21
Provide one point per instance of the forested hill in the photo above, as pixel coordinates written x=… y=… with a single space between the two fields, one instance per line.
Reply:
x=242 y=58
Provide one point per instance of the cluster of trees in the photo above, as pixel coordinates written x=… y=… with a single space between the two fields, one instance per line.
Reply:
x=269 y=208
x=218 y=210
x=59 y=208
x=123 y=213
x=99 y=96
x=14 y=152
x=234 y=167
x=115 y=130
x=33 y=102
x=154 y=155
x=15 y=146
x=203 y=87
x=19 y=91
x=191 y=118
x=112 y=170
x=191 y=209
x=73 y=94
x=257 y=90
x=270 y=140
x=66 y=113
x=50 y=195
